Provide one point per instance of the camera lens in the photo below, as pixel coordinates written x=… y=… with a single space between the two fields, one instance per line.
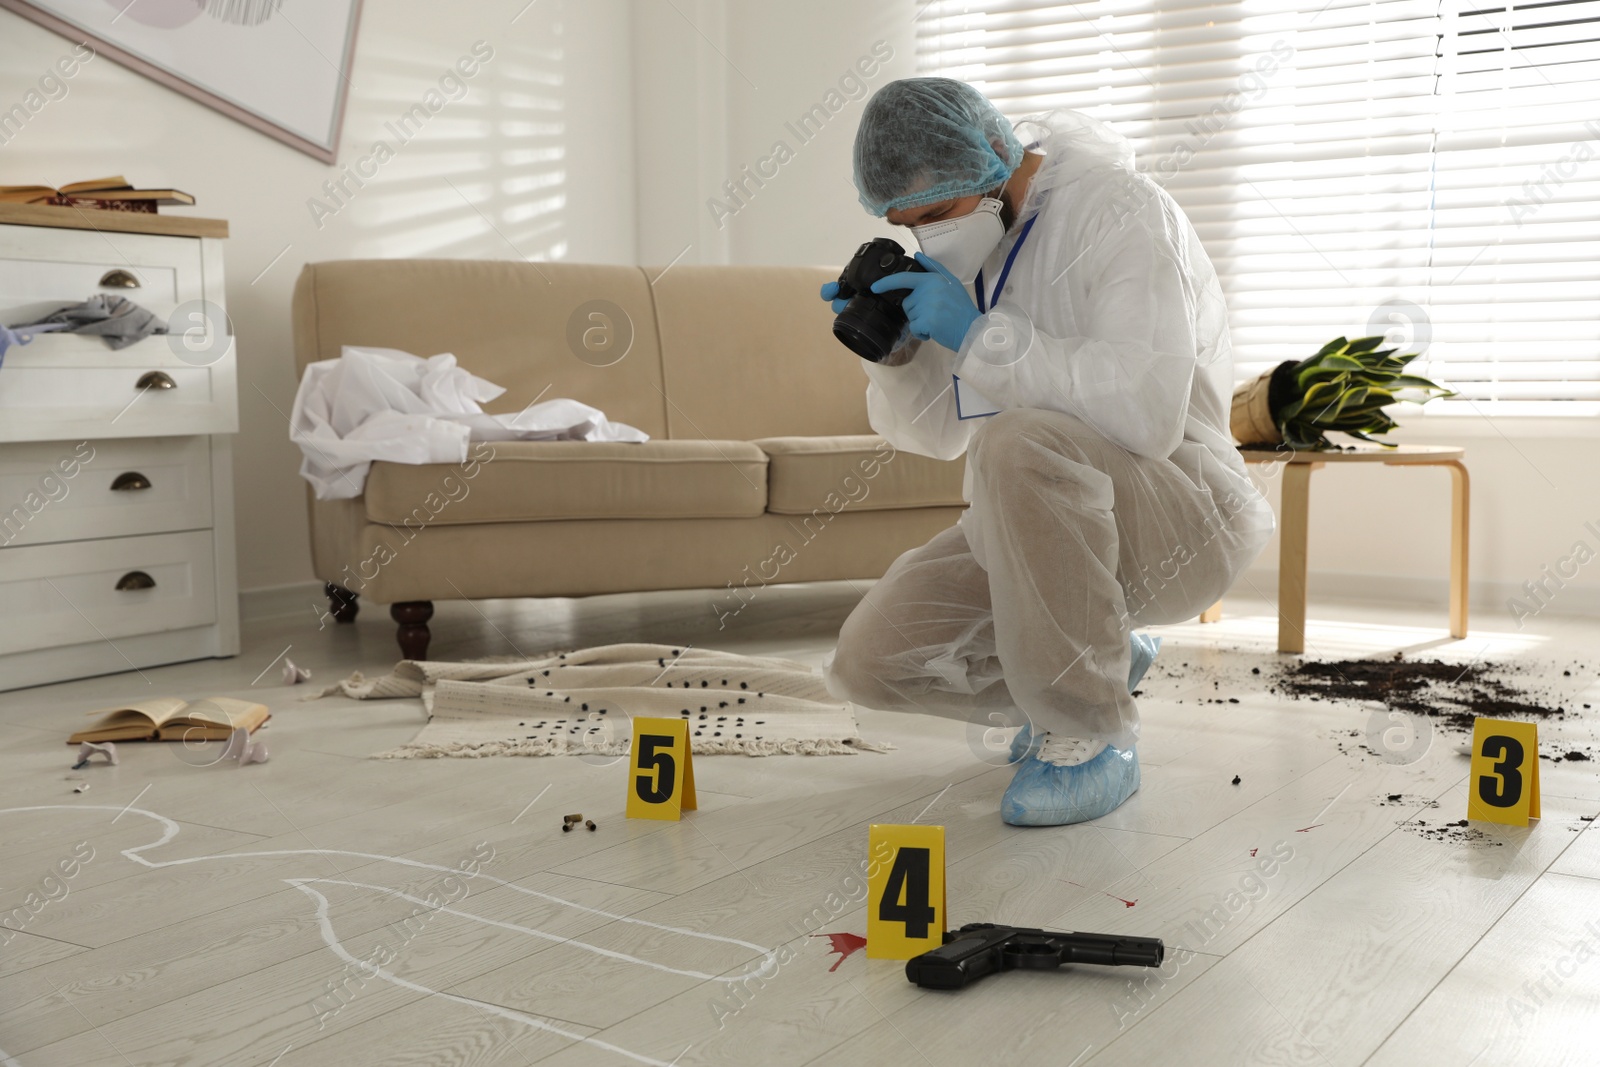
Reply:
x=870 y=327
x=872 y=324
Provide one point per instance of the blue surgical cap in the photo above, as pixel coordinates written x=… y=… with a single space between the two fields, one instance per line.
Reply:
x=923 y=140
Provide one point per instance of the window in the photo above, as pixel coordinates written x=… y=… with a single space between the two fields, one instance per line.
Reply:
x=1425 y=170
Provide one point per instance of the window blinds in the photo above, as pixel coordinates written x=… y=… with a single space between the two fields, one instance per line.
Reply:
x=1425 y=170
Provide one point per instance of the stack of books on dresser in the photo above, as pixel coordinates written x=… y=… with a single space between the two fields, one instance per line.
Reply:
x=107 y=194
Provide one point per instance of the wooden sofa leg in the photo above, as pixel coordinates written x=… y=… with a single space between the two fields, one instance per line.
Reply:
x=413 y=616
x=341 y=603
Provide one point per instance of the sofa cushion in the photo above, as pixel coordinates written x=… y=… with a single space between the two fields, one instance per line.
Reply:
x=862 y=469
x=749 y=352
x=532 y=481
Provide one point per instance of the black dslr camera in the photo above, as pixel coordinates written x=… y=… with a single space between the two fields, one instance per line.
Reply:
x=872 y=324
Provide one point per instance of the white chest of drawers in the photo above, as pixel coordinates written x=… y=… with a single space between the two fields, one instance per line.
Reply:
x=116 y=472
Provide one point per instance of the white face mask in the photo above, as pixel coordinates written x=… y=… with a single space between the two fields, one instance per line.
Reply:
x=963 y=244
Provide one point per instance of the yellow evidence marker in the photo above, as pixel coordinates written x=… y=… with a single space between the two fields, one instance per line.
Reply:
x=1504 y=784
x=660 y=770
x=905 y=891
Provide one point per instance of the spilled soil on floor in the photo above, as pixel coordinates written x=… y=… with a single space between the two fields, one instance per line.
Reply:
x=1450 y=694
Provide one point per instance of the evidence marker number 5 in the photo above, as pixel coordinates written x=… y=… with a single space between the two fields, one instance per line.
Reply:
x=660 y=770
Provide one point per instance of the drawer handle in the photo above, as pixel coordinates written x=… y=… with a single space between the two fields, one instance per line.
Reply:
x=119 y=279
x=130 y=481
x=155 y=379
x=135 y=580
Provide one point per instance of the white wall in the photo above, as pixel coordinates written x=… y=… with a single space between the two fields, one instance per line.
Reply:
x=680 y=126
x=798 y=53
x=717 y=96
x=598 y=133
x=542 y=145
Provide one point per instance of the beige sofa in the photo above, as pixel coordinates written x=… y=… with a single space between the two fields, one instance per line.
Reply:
x=761 y=467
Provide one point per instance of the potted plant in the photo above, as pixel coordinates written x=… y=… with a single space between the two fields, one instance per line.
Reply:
x=1344 y=387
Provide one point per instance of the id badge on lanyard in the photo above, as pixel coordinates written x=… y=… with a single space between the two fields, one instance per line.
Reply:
x=971 y=404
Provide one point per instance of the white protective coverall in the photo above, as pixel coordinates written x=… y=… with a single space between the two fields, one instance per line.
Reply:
x=1107 y=492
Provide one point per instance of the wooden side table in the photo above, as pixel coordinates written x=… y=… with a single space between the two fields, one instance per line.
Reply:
x=1293 y=526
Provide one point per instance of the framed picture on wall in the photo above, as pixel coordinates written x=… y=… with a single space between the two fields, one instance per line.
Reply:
x=279 y=66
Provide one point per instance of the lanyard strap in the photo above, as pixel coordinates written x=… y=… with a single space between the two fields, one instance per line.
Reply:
x=1005 y=272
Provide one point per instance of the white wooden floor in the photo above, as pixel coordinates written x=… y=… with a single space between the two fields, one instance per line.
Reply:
x=217 y=915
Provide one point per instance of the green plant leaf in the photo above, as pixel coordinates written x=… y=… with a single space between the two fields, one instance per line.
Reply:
x=1317 y=398
x=1367 y=425
x=1300 y=442
x=1413 y=381
x=1364 y=344
x=1339 y=406
x=1320 y=444
x=1361 y=420
x=1309 y=363
x=1324 y=416
x=1322 y=391
x=1327 y=368
x=1307 y=378
x=1371 y=440
x=1346 y=363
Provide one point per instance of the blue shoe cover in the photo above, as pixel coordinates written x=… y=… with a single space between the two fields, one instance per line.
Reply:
x=1025 y=744
x=1142 y=651
x=1044 y=794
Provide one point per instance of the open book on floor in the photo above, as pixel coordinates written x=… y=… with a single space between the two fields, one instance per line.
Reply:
x=171 y=719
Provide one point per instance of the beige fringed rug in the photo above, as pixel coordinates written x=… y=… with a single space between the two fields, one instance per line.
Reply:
x=583 y=703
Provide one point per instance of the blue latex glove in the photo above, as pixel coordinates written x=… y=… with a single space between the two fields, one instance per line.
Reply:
x=939 y=307
x=830 y=291
x=9 y=337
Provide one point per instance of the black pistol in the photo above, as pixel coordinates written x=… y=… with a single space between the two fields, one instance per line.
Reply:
x=978 y=949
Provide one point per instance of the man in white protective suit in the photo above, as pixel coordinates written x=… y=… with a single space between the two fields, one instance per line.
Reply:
x=1069 y=292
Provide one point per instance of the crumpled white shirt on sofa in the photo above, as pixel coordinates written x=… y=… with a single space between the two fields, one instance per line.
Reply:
x=381 y=403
